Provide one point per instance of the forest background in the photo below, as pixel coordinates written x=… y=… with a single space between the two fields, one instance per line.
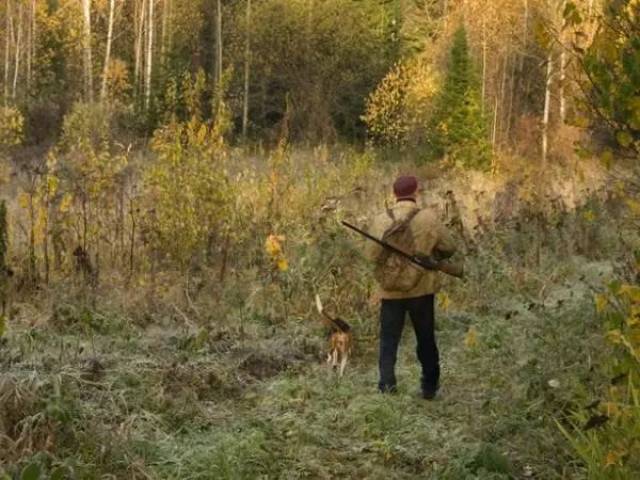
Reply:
x=172 y=176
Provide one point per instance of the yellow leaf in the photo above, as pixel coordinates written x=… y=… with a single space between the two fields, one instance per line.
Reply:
x=607 y=158
x=624 y=138
x=65 y=203
x=444 y=302
x=614 y=458
x=632 y=292
x=589 y=216
x=273 y=245
x=615 y=336
x=23 y=200
x=282 y=264
x=634 y=206
x=471 y=338
x=601 y=302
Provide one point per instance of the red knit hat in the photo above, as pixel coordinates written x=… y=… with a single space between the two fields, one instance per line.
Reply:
x=405 y=186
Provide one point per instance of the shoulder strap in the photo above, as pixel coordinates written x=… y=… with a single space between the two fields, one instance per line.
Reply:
x=401 y=224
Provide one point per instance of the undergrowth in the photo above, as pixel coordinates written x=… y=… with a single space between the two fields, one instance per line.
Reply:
x=210 y=374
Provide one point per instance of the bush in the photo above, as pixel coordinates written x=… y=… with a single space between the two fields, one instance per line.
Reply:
x=398 y=110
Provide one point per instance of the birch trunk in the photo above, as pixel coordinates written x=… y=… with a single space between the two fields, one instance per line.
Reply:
x=563 y=104
x=495 y=125
x=247 y=66
x=149 y=70
x=138 y=45
x=107 y=54
x=484 y=61
x=547 y=105
x=7 y=48
x=503 y=86
x=18 y=44
x=86 y=41
x=34 y=40
x=28 y=48
x=563 y=99
x=512 y=91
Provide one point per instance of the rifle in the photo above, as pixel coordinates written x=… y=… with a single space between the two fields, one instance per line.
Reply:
x=427 y=262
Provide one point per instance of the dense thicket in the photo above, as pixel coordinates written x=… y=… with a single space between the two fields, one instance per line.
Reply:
x=319 y=64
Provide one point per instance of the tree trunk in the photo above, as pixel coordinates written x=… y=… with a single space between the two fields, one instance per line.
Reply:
x=18 y=52
x=28 y=48
x=107 y=54
x=149 y=70
x=166 y=9
x=45 y=239
x=503 y=86
x=86 y=47
x=247 y=66
x=32 y=235
x=525 y=33
x=219 y=43
x=495 y=124
x=563 y=103
x=7 y=48
x=563 y=99
x=132 y=237
x=484 y=62
x=512 y=91
x=140 y=19
x=547 y=105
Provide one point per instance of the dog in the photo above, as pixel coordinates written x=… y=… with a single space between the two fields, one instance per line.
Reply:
x=340 y=340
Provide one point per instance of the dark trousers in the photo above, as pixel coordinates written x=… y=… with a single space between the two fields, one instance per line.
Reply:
x=392 y=315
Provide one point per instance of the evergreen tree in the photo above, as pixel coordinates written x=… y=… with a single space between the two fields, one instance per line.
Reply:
x=458 y=128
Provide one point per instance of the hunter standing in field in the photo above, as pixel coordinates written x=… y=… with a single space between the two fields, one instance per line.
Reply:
x=407 y=288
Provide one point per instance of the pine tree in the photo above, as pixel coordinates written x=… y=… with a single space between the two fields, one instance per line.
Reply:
x=458 y=128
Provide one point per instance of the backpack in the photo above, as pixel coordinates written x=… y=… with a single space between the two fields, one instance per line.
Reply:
x=393 y=272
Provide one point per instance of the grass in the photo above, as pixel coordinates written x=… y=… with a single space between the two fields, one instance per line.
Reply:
x=157 y=376
x=164 y=402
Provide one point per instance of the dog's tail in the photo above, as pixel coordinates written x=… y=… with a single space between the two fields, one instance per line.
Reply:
x=336 y=324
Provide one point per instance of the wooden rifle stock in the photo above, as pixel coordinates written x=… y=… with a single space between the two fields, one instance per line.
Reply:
x=455 y=269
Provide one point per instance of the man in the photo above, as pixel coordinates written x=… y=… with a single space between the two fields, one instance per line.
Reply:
x=426 y=236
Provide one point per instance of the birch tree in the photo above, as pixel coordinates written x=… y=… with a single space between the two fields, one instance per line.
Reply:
x=86 y=47
x=547 y=108
x=247 y=66
x=149 y=65
x=7 y=48
x=139 y=42
x=18 y=47
x=107 y=54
